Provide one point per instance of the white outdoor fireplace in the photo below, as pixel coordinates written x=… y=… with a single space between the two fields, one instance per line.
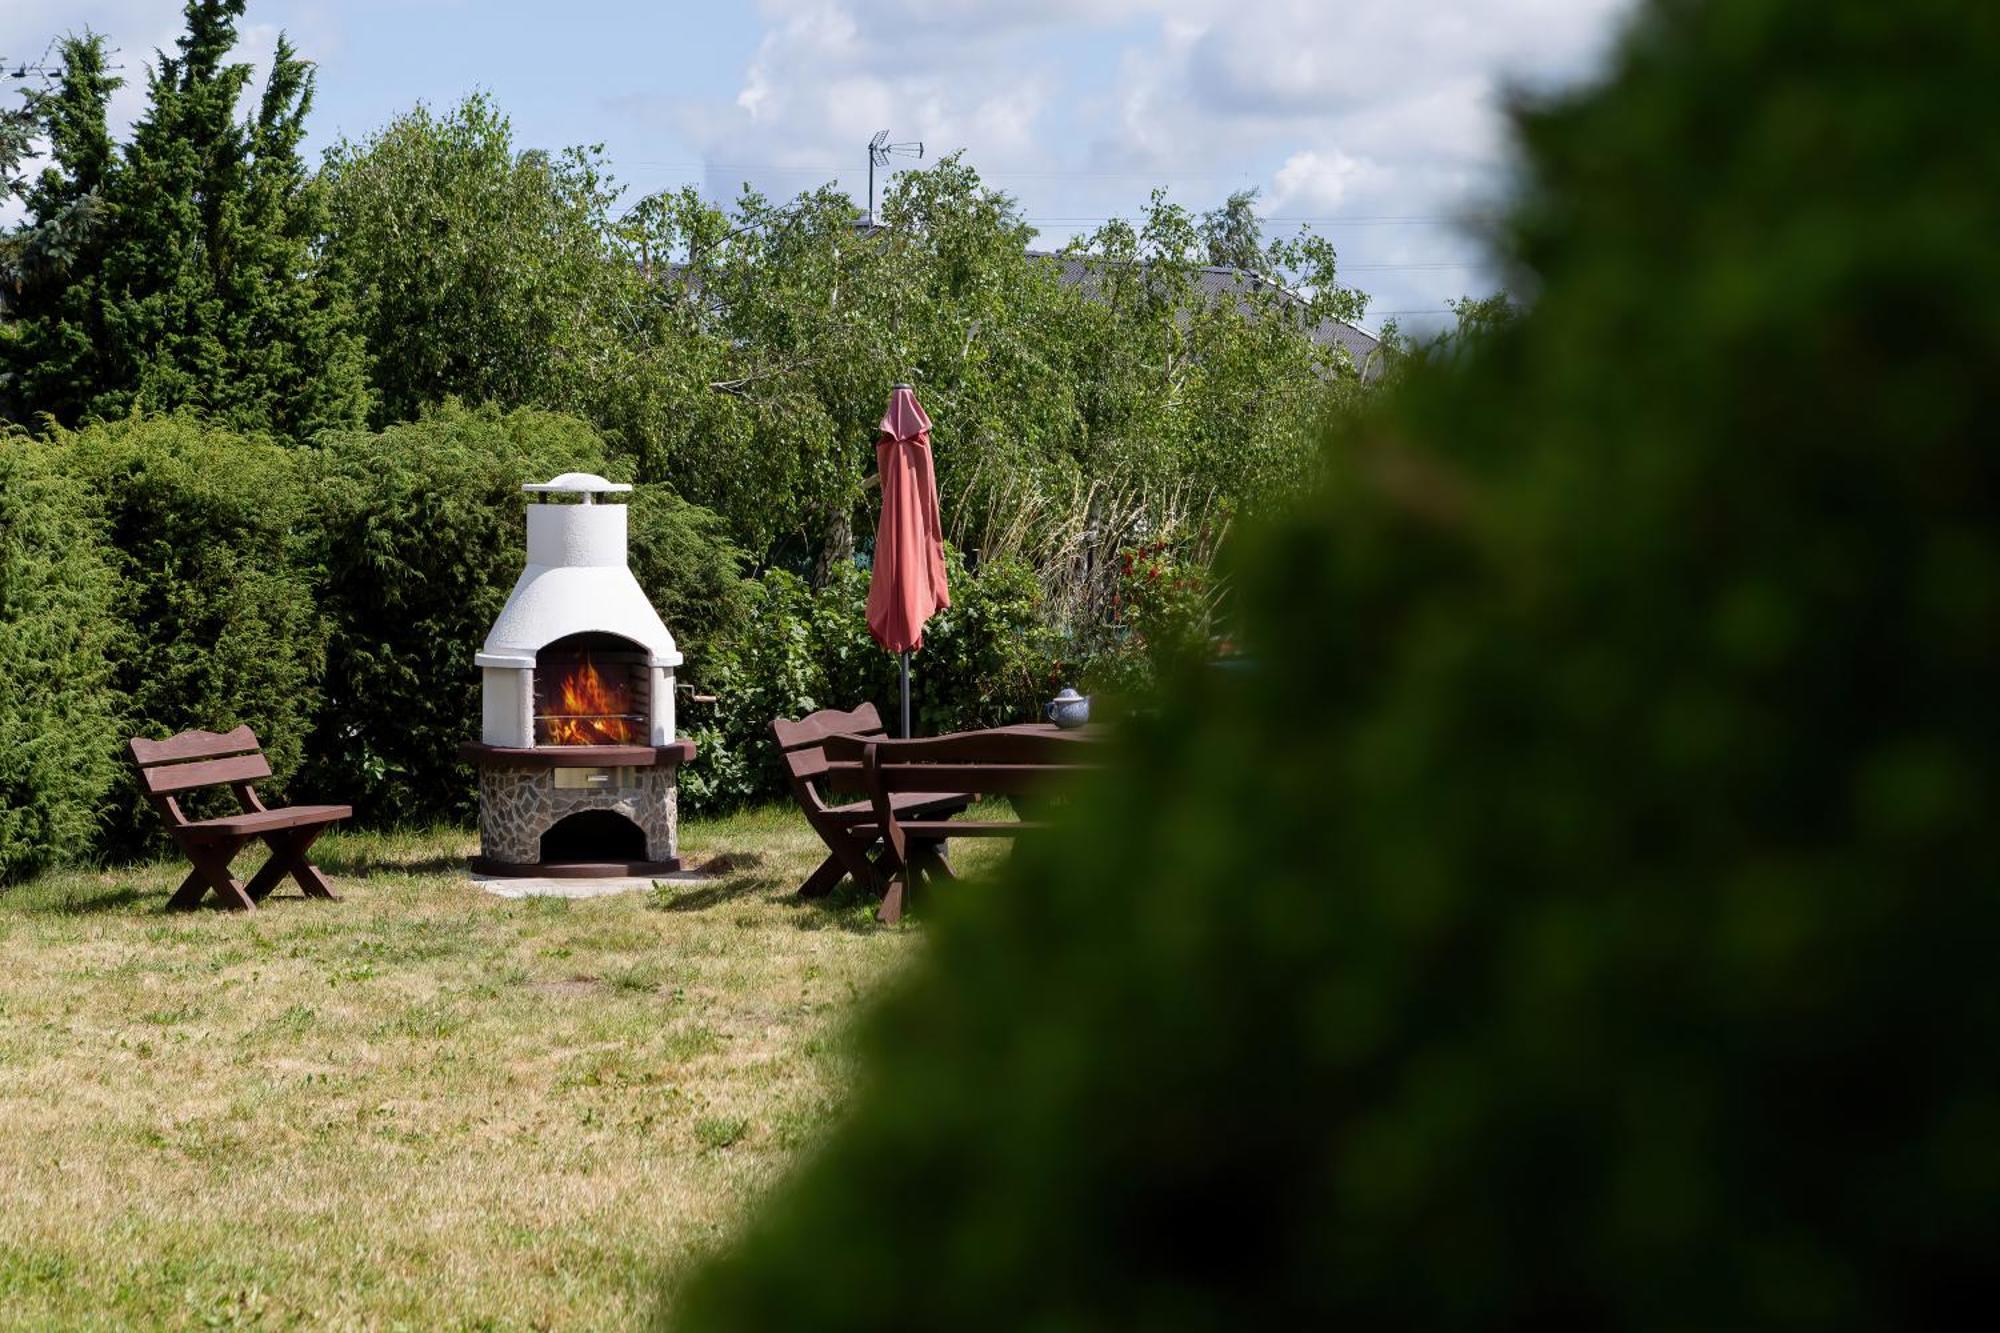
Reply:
x=578 y=766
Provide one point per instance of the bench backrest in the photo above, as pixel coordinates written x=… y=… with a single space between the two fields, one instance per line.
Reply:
x=197 y=759
x=803 y=743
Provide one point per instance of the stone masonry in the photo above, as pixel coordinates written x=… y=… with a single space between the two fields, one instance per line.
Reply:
x=518 y=804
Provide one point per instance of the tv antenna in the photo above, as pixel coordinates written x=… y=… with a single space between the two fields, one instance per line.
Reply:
x=880 y=150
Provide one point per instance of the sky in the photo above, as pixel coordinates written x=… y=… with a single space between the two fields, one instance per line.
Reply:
x=1377 y=123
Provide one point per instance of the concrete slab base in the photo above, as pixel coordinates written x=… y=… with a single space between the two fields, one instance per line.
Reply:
x=516 y=887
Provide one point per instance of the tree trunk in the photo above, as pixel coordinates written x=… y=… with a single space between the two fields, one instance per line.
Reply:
x=837 y=547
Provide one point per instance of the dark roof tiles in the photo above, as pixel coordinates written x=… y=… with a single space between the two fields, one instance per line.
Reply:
x=1085 y=272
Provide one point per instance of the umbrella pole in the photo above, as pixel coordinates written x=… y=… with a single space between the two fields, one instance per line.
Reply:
x=906 y=694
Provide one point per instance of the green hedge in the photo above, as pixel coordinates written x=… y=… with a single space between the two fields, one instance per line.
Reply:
x=212 y=533
x=422 y=537
x=1583 y=914
x=59 y=725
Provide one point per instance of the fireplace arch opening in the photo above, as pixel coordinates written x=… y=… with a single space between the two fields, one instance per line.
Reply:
x=593 y=835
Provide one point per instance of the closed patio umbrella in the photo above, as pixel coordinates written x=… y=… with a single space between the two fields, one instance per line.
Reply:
x=908 y=582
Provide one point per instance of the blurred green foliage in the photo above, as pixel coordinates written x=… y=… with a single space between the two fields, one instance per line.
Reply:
x=1581 y=914
x=58 y=630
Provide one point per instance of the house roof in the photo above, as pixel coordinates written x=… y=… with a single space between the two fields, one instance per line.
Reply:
x=1215 y=282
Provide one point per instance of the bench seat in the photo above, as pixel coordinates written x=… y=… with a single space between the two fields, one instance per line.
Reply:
x=909 y=802
x=262 y=821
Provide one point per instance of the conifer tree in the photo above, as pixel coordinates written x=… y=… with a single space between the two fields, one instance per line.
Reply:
x=48 y=326
x=201 y=288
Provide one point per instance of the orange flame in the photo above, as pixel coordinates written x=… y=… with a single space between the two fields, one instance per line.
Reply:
x=589 y=710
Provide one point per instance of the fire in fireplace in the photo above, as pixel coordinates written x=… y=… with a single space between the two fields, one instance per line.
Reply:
x=591 y=689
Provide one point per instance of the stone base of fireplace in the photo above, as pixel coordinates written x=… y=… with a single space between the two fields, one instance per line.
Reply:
x=479 y=865
x=626 y=795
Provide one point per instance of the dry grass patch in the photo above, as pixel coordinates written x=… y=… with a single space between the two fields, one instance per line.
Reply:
x=424 y=1105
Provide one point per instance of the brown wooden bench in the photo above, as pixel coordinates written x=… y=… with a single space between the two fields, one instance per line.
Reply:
x=850 y=831
x=198 y=759
x=1005 y=761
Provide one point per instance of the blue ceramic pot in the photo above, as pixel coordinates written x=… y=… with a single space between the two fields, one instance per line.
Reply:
x=1068 y=709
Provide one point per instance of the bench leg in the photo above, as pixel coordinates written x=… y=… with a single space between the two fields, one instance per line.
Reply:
x=895 y=898
x=288 y=856
x=188 y=895
x=314 y=881
x=850 y=854
x=211 y=872
x=822 y=881
x=271 y=871
x=906 y=881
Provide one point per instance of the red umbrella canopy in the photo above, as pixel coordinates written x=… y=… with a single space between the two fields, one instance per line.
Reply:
x=908 y=580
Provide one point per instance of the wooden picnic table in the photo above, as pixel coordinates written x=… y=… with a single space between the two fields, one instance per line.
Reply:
x=1021 y=760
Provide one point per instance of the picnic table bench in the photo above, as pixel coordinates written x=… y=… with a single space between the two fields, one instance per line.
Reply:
x=194 y=760
x=851 y=831
x=1018 y=761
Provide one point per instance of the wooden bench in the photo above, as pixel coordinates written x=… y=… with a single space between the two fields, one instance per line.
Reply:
x=197 y=759
x=850 y=831
x=1005 y=761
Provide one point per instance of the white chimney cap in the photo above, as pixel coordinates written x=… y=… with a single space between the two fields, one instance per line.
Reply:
x=577 y=483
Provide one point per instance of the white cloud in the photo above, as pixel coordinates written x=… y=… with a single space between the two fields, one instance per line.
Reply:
x=1318 y=183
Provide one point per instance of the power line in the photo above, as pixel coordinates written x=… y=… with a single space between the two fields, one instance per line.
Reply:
x=1359 y=220
x=1409 y=219
x=1051 y=173
x=1356 y=220
x=832 y=172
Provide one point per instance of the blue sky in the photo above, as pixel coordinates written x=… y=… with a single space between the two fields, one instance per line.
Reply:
x=1375 y=119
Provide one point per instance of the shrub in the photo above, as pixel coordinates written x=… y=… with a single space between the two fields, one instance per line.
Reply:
x=422 y=541
x=770 y=667
x=58 y=713
x=1583 y=915
x=985 y=661
x=210 y=530
x=1167 y=607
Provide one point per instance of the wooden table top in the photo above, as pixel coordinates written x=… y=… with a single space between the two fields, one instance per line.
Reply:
x=1089 y=731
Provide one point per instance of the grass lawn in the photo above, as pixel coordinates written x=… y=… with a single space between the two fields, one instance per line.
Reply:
x=422 y=1106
